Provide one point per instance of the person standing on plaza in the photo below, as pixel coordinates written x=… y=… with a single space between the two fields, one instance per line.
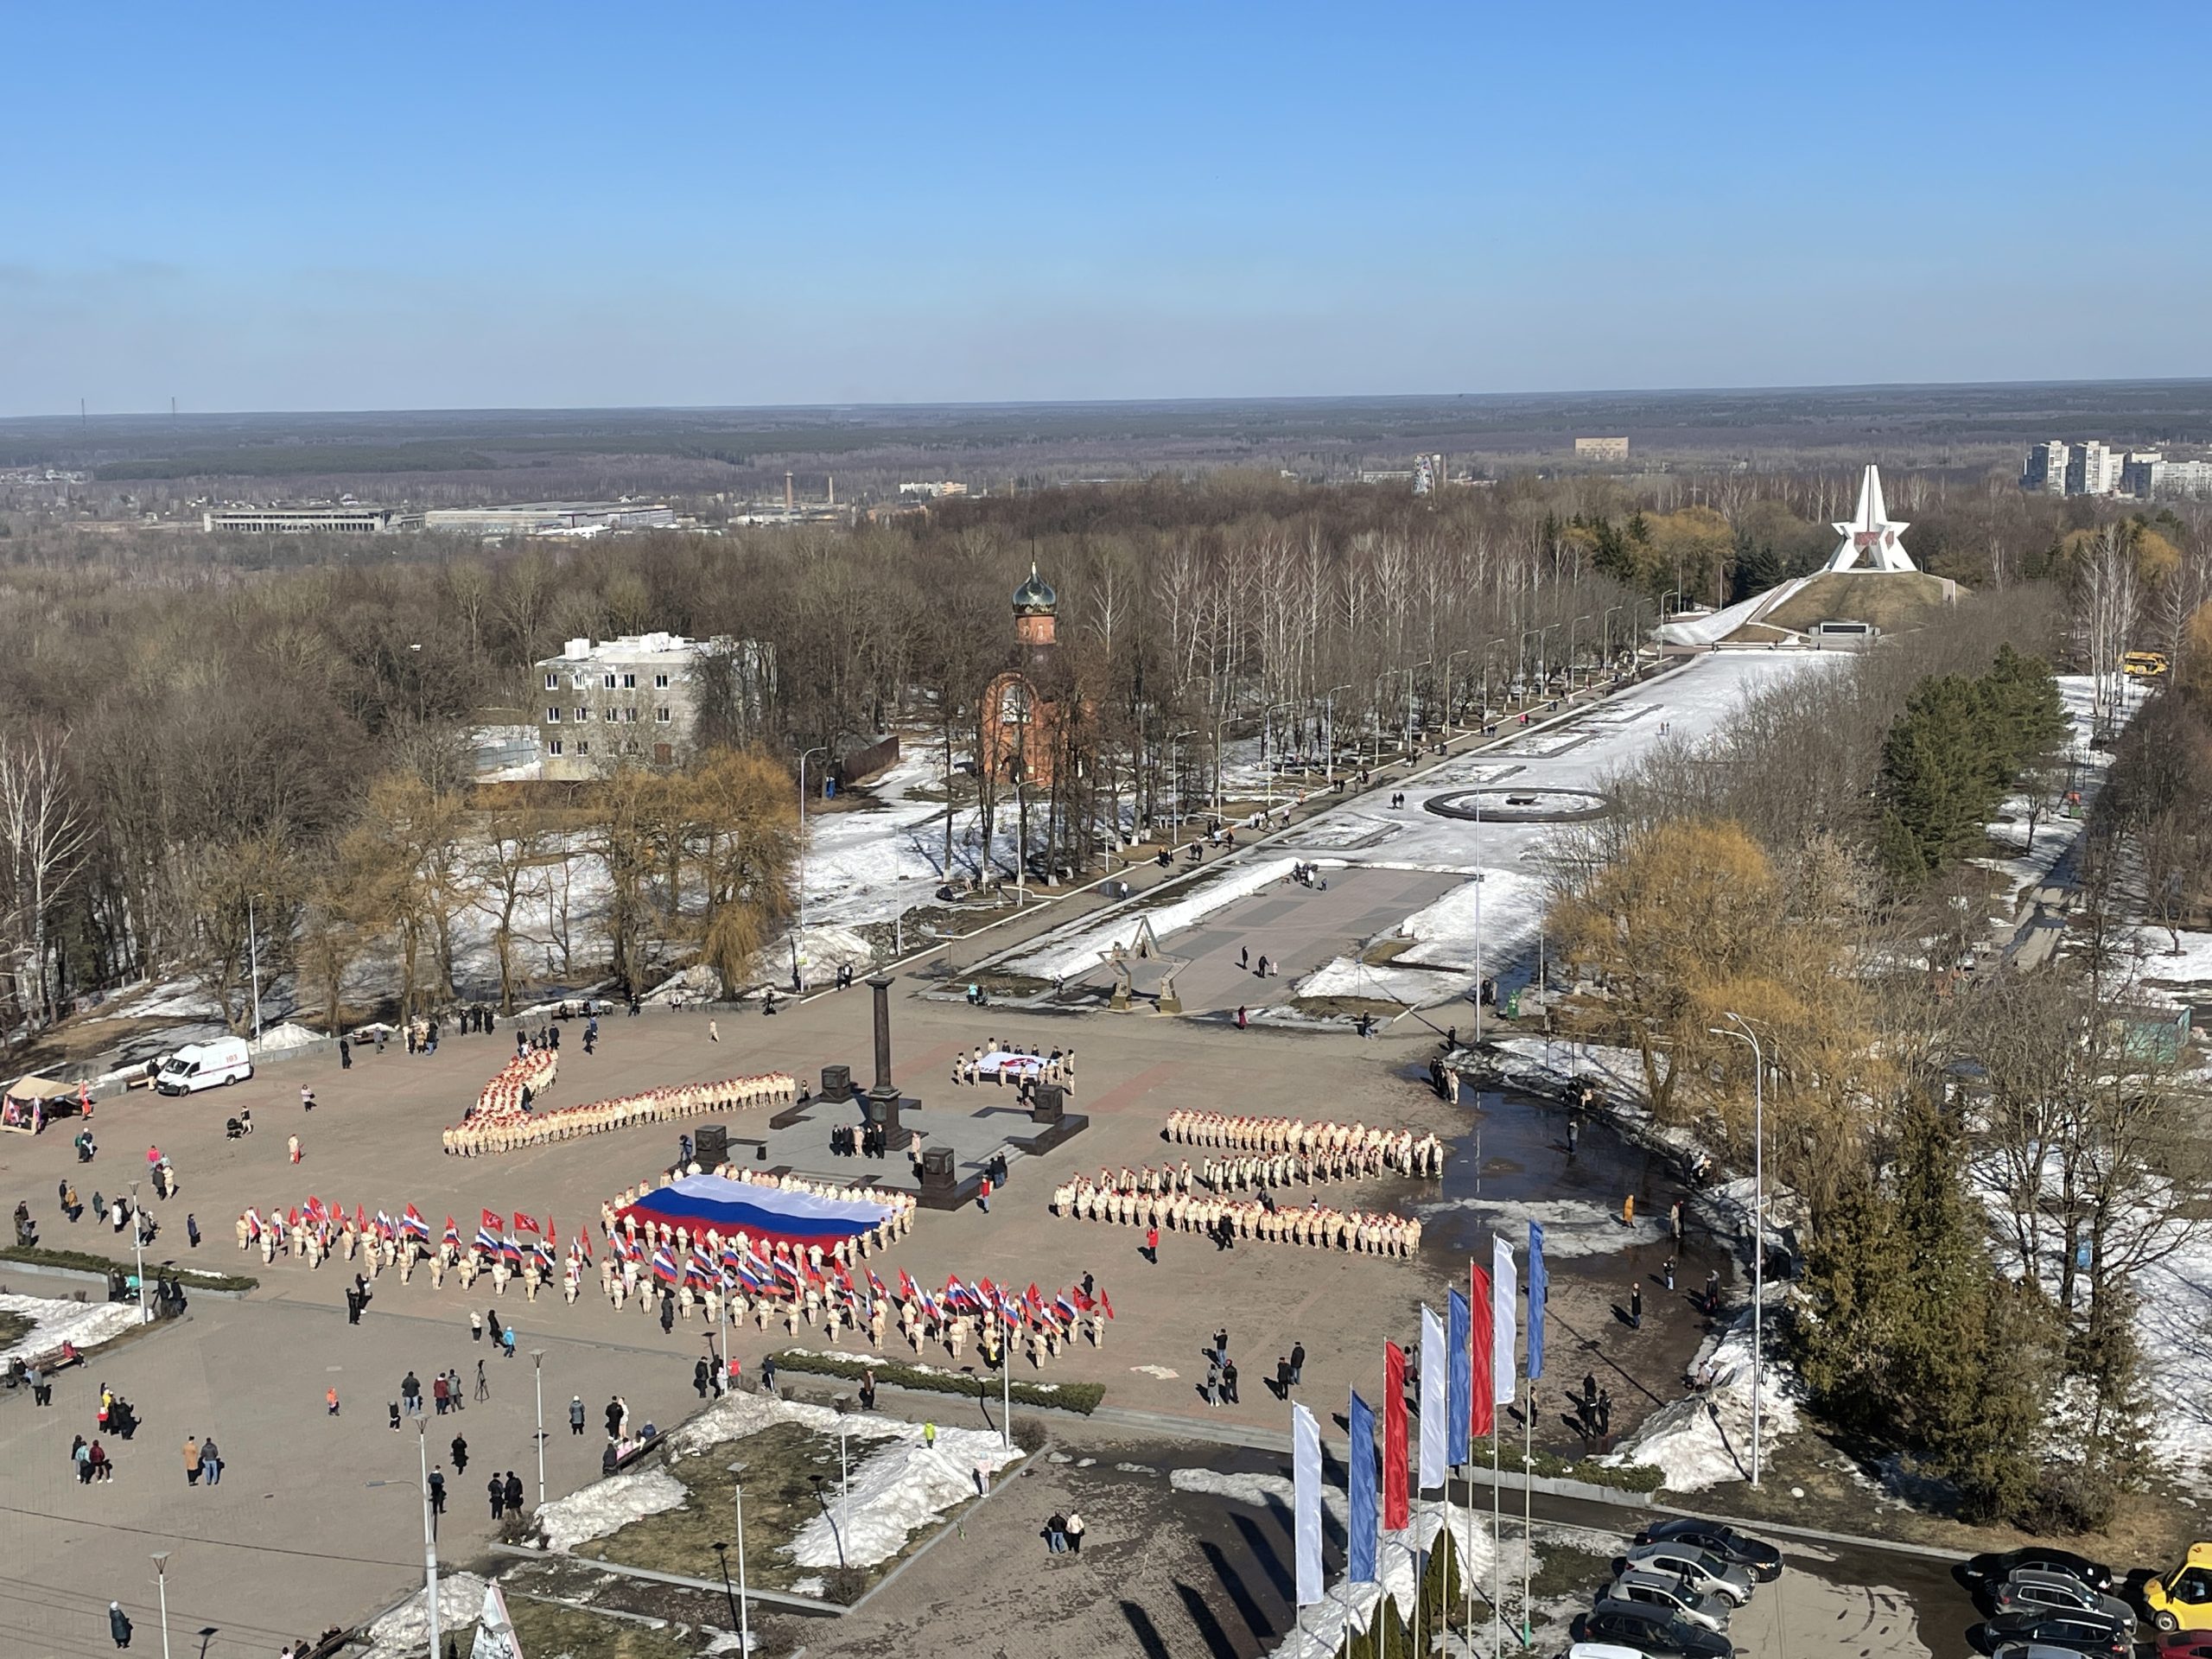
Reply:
x=459 y=1450
x=514 y=1492
x=475 y=1325
x=437 y=1494
x=1152 y=1245
x=577 y=1415
x=496 y=1489
x=192 y=1464
x=1297 y=1364
x=211 y=1461
x=483 y=1389
x=1635 y=1308
x=118 y=1625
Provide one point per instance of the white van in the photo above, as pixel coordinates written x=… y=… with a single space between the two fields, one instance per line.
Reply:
x=202 y=1066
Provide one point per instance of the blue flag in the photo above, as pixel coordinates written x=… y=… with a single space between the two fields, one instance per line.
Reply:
x=1539 y=1288
x=1366 y=1523
x=1461 y=1407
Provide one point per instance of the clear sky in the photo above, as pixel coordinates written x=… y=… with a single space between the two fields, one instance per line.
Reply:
x=392 y=206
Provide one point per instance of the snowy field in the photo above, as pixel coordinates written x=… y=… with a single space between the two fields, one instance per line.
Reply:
x=1081 y=947
x=54 y=1322
x=1690 y=704
x=900 y=1483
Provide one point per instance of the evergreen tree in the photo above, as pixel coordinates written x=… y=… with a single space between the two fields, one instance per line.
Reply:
x=1943 y=776
x=1857 y=1297
x=2021 y=696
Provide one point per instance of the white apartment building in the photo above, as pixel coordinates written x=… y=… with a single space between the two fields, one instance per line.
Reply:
x=2092 y=467
x=635 y=699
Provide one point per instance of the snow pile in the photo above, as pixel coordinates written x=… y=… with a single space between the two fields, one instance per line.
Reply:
x=1348 y=1608
x=824 y=950
x=2162 y=964
x=1572 y=1227
x=608 y=1505
x=405 y=1631
x=1704 y=1440
x=1512 y=908
x=276 y=1039
x=1081 y=948
x=54 y=1322
x=899 y=1490
x=737 y=1415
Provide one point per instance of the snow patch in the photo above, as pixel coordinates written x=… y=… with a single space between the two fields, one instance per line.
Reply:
x=54 y=1322
x=1080 y=948
x=1703 y=1441
x=405 y=1631
x=608 y=1505
x=1572 y=1227
x=899 y=1491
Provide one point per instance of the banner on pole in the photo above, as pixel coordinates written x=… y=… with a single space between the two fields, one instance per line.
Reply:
x=1306 y=1480
x=1459 y=1334
x=495 y=1630
x=1504 y=1288
x=1482 y=1412
x=1540 y=1290
x=1435 y=1383
x=1364 y=1527
x=1397 y=1512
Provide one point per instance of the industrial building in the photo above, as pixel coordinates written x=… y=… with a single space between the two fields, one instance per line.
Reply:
x=637 y=699
x=349 y=520
x=550 y=518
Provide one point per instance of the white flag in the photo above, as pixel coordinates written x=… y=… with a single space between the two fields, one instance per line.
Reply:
x=1504 y=1292
x=1305 y=1482
x=1435 y=1382
x=495 y=1633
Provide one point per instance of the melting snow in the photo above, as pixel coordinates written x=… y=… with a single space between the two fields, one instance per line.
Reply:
x=608 y=1505
x=54 y=1322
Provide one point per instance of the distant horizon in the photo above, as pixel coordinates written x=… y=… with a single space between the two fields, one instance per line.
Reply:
x=1195 y=400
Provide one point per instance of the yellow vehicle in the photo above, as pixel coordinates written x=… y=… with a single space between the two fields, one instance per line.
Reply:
x=2144 y=664
x=2182 y=1599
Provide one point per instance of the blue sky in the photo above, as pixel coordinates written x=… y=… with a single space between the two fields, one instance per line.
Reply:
x=402 y=206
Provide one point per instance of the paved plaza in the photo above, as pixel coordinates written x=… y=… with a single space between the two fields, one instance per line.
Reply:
x=315 y=1522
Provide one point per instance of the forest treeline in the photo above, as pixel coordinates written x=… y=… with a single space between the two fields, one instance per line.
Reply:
x=176 y=710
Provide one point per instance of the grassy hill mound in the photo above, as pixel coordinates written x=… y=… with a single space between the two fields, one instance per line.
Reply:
x=1889 y=601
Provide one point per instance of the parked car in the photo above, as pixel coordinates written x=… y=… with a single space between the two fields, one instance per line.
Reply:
x=1763 y=1559
x=2182 y=1599
x=1994 y=1569
x=1649 y=1631
x=2032 y=1651
x=1704 y=1571
x=1603 y=1650
x=2077 y=1633
x=2030 y=1587
x=1670 y=1595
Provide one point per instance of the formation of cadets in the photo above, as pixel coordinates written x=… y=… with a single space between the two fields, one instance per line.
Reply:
x=502 y=1121
x=1349 y=1151
x=1163 y=1202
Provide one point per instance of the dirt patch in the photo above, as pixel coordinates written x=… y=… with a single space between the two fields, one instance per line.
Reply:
x=547 y=1630
x=14 y=1327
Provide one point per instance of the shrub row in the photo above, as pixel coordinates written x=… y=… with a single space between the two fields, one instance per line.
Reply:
x=80 y=1262
x=1083 y=1397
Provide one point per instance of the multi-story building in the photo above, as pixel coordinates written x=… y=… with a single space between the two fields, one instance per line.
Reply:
x=2046 y=469
x=348 y=520
x=2152 y=477
x=2092 y=468
x=550 y=518
x=1601 y=448
x=637 y=699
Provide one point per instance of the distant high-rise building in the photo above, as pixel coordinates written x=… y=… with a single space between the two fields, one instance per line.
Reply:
x=1601 y=448
x=2046 y=471
x=2093 y=469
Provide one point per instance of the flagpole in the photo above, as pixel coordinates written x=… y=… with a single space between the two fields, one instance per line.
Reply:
x=1496 y=1546
x=1528 y=1455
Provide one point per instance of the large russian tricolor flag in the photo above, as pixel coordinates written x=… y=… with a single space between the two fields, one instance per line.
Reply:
x=768 y=1214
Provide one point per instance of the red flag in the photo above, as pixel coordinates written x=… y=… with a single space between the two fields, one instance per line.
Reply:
x=905 y=1286
x=1483 y=1418
x=360 y=1219
x=1082 y=1302
x=1106 y=1303
x=293 y=1220
x=1035 y=1301
x=586 y=1237
x=524 y=1224
x=1397 y=1513
x=552 y=1242
x=492 y=1222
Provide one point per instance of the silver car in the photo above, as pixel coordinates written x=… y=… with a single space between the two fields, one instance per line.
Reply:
x=2031 y=1590
x=1667 y=1595
x=1702 y=1570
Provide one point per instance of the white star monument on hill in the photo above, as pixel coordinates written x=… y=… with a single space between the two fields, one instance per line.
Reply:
x=1871 y=541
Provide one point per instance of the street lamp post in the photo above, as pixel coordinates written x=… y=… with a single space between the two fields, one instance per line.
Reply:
x=1605 y=636
x=429 y=1533
x=1740 y=1028
x=1175 y=781
x=161 y=1584
x=138 y=1251
x=1426 y=661
x=538 y=1376
x=1265 y=718
x=744 y=1608
x=1329 y=729
x=253 y=962
x=1451 y=687
x=823 y=748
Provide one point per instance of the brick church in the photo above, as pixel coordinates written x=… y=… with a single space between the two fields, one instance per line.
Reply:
x=1021 y=710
